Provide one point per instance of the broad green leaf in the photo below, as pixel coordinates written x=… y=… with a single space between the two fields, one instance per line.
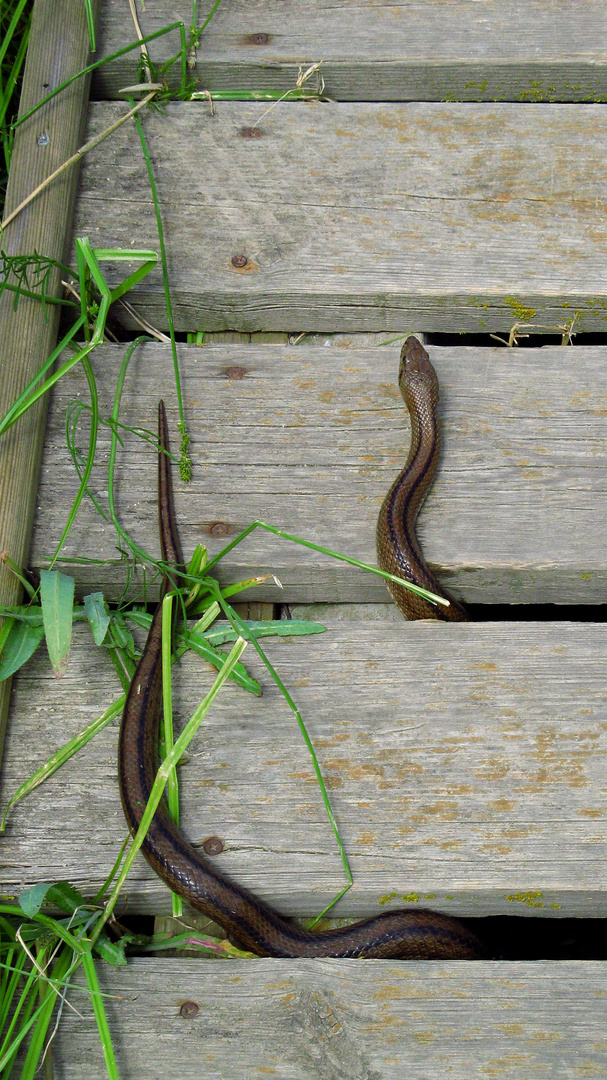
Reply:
x=57 y=599
x=21 y=643
x=98 y=618
x=60 y=893
x=32 y=899
x=140 y=617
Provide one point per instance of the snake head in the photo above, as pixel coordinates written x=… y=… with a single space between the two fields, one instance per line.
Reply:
x=416 y=371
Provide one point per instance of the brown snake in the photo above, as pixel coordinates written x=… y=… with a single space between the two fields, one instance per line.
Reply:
x=252 y=924
x=398 y=551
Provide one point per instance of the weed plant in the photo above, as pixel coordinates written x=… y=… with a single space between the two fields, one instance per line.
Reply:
x=40 y=952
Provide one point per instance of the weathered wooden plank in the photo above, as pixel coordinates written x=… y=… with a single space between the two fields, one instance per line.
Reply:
x=360 y=216
x=433 y=51
x=465 y=764
x=310 y=440
x=336 y=1018
x=28 y=334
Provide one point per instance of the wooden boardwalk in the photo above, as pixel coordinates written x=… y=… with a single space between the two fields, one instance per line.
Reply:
x=436 y=216
x=455 y=182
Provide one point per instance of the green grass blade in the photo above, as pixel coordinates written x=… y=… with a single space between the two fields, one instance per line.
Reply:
x=200 y=645
x=296 y=94
x=88 y=965
x=92 y=67
x=90 y=22
x=163 y=772
x=11 y=82
x=99 y=895
x=10 y=30
x=209 y=617
x=332 y=903
x=16 y=570
x=432 y=597
x=26 y=398
x=64 y=754
x=90 y=378
x=209 y=16
x=240 y=626
x=21 y=1021
x=45 y=1013
x=239 y=674
x=269 y=628
x=121 y=647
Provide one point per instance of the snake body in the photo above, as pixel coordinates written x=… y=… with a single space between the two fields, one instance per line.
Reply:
x=252 y=924
x=398 y=550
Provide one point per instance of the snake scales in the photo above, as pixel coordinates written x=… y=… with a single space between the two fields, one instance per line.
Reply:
x=413 y=934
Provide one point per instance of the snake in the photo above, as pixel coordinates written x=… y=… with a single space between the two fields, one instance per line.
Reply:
x=249 y=922
x=398 y=549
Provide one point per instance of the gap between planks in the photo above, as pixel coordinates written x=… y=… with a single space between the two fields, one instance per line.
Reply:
x=491 y=50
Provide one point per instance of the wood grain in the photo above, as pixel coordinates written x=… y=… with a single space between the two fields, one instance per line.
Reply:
x=371 y=1020
x=465 y=764
x=28 y=334
x=359 y=217
x=430 y=50
x=310 y=439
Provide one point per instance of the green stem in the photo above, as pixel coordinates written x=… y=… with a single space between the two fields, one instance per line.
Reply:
x=241 y=628
x=141 y=554
x=93 y=67
x=163 y=259
x=90 y=460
